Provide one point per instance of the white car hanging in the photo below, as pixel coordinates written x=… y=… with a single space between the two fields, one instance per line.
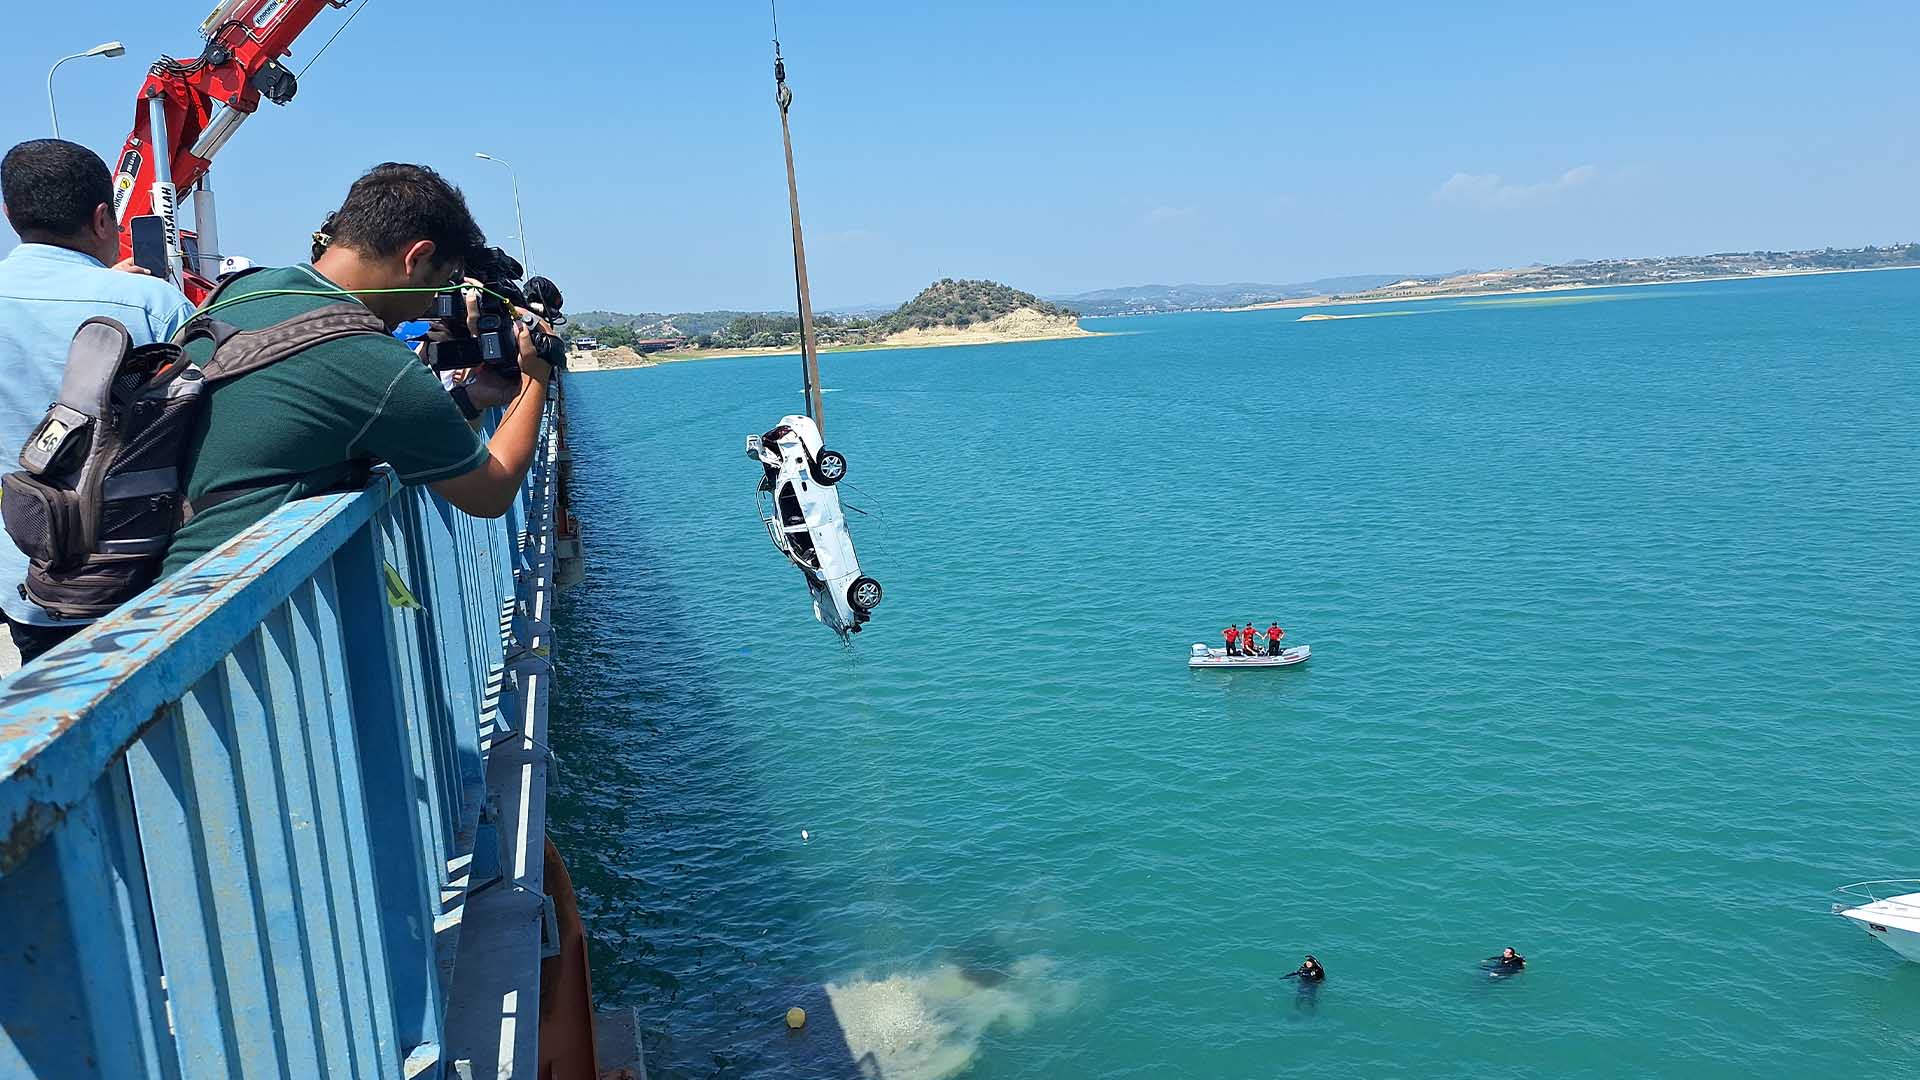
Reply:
x=800 y=507
x=798 y=501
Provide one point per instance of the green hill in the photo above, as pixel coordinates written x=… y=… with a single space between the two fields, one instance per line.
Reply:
x=961 y=304
x=945 y=303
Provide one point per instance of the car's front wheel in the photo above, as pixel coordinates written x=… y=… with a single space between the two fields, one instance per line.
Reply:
x=864 y=593
x=830 y=468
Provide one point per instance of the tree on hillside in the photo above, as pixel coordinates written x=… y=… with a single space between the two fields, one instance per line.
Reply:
x=613 y=336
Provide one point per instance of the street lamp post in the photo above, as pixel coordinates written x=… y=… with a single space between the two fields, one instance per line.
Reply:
x=519 y=223
x=109 y=48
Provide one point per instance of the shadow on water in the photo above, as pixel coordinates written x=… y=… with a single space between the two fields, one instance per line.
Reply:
x=642 y=827
x=1306 y=998
x=1491 y=975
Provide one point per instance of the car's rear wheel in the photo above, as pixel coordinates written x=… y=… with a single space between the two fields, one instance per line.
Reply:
x=830 y=467
x=864 y=593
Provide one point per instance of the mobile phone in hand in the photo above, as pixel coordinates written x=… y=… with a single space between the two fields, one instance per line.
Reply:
x=150 y=245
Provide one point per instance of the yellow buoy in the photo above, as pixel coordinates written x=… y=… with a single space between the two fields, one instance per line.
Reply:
x=796 y=1018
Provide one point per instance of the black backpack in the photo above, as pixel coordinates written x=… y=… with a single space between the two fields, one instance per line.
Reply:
x=102 y=486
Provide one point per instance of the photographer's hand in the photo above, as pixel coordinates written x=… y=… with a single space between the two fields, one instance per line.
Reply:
x=532 y=365
x=488 y=387
x=471 y=297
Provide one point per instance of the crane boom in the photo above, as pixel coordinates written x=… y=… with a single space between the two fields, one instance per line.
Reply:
x=188 y=109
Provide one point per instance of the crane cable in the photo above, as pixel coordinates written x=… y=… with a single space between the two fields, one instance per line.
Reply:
x=809 y=350
x=336 y=33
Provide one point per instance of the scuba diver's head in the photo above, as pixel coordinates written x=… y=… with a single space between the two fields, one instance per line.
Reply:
x=1311 y=960
x=1507 y=953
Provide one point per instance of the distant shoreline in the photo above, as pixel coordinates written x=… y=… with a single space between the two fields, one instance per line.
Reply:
x=594 y=360
x=1406 y=298
x=928 y=341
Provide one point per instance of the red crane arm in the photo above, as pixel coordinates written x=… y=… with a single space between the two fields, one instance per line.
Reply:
x=201 y=102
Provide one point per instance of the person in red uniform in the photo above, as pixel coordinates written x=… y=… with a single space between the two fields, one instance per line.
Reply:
x=1233 y=640
x=1274 y=634
x=1248 y=642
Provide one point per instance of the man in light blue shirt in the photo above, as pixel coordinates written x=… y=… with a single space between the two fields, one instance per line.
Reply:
x=59 y=197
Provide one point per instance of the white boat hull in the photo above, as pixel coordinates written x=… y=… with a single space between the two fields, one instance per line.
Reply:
x=1892 y=920
x=1901 y=940
x=1904 y=942
x=1203 y=657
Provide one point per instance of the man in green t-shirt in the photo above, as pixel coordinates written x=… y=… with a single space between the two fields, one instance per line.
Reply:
x=298 y=427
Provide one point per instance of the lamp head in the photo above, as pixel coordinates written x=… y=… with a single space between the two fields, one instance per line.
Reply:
x=110 y=48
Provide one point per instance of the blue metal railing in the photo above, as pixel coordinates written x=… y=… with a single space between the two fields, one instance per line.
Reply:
x=243 y=819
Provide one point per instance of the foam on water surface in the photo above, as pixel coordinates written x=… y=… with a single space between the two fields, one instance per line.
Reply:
x=928 y=1025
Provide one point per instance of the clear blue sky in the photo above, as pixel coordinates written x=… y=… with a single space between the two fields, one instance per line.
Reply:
x=1059 y=147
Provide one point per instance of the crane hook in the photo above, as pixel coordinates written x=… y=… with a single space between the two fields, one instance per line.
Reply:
x=782 y=95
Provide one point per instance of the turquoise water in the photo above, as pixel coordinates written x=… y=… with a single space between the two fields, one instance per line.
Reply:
x=1612 y=606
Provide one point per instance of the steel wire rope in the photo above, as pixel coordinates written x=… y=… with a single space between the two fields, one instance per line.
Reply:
x=336 y=33
x=784 y=97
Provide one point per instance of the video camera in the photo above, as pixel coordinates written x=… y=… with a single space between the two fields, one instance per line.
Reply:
x=490 y=340
x=543 y=296
x=544 y=300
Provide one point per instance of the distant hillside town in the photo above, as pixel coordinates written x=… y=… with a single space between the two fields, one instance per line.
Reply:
x=1154 y=299
x=1662 y=269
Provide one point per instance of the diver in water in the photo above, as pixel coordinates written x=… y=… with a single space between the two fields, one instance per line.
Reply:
x=1507 y=963
x=1309 y=972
